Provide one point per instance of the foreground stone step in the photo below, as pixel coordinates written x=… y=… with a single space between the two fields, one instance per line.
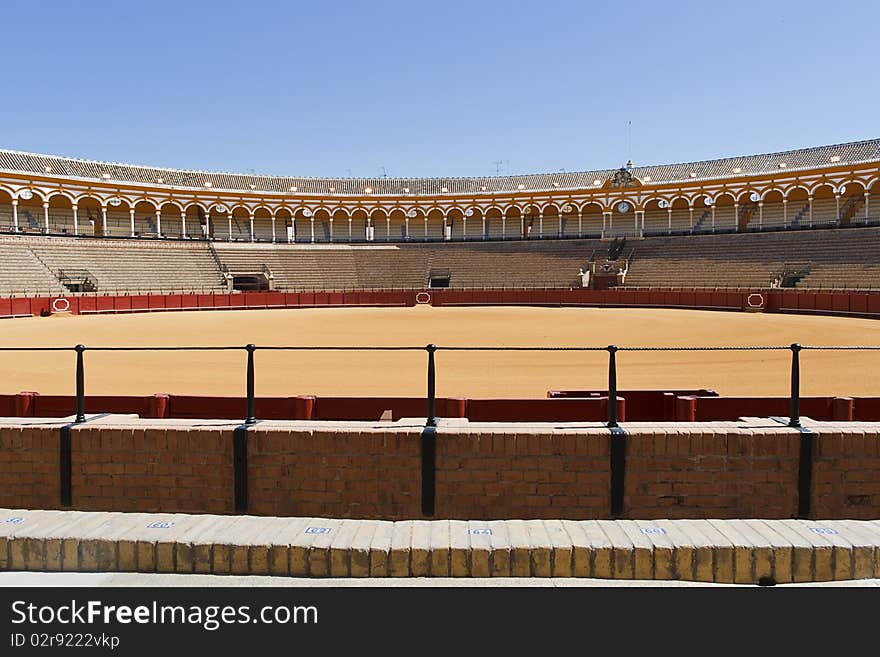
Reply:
x=745 y=551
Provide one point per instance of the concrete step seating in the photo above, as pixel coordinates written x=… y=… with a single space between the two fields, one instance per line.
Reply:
x=731 y=551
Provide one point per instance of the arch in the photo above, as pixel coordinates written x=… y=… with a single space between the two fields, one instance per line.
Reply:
x=357 y=225
x=282 y=227
x=6 y=215
x=379 y=227
x=60 y=214
x=89 y=215
x=772 y=212
x=472 y=226
x=770 y=190
x=31 y=213
x=240 y=230
x=434 y=220
x=170 y=219
x=38 y=194
x=823 y=188
x=199 y=222
x=852 y=208
x=145 y=224
x=794 y=187
x=493 y=220
x=262 y=224
x=55 y=193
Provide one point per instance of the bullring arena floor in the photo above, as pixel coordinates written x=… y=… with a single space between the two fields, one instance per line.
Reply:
x=522 y=374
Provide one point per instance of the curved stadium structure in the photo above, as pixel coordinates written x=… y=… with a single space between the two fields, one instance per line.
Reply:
x=557 y=222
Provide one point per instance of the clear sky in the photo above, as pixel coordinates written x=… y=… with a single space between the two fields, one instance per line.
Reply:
x=442 y=89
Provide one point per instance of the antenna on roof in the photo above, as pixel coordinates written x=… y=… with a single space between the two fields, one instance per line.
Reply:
x=629 y=144
x=497 y=164
x=384 y=174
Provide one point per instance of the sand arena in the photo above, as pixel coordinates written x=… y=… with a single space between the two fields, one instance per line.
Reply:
x=475 y=374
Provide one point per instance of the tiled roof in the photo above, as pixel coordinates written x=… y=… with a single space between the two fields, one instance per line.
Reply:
x=805 y=158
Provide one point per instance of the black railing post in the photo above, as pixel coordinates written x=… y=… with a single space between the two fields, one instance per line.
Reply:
x=432 y=420
x=80 y=385
x=250 y=418
x=795 y=417
x=612 y=385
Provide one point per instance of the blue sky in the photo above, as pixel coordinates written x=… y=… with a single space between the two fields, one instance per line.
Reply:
x=433 y=89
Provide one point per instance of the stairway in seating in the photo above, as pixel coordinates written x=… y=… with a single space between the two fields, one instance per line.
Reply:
x=850 y=208
x=698 y=225
x=805 y=211
x=746 y=213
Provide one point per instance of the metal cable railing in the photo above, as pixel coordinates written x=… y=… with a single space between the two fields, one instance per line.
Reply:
x=432 y=349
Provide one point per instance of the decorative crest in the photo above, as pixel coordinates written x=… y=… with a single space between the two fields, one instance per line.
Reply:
x=623 y=177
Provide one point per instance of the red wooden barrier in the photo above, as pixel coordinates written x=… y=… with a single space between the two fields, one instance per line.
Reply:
x=5 y=307
x=156 y=302
x=139 y=302
x=21 y=306
x=122 y=304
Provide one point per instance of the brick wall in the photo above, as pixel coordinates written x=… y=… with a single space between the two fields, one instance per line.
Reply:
x=498 y=474
x=334 y=473
x=175 y=469
x=29 y=467
x=700 y=470
x=705 y=473
x=846 y=474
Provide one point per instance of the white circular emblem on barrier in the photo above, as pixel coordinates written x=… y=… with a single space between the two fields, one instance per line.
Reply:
x=423 y=297
x=755 y=300
x=60 y=305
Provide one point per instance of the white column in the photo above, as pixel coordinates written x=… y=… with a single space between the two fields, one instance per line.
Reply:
x=388 y=228
x=713 y=217
x=349 y=228
x=75 y=221
x=229 y=222
x=540 y=225
x=559 y=218
x=426 y=228
x=522 y=226
x=208 y=224
x=606 y=222
x=406 y=226
x=867 y=201
x=103 y=220
x=159 y=223
x=464 y=227
x=483 y=234
x=444 y=227
x=691 y=212
x=330 y=222
x=15 y=214
x=810 y=199
x=837 y=206
x=785 y=212
x=131 y=219
x=312 y=228
x=761 y=215
x=46 y=216
x=251 y=221
x=273 y=229
x=183 y=223
x=669 y=211
x=503 y=226
x=580 y=223
x=736 y=216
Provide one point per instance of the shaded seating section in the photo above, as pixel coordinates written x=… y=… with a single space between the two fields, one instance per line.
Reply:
x=22 y=272
x=834 y=258
x=118 y=265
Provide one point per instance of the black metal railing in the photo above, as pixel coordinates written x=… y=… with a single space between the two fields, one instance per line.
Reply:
x=431 y=349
